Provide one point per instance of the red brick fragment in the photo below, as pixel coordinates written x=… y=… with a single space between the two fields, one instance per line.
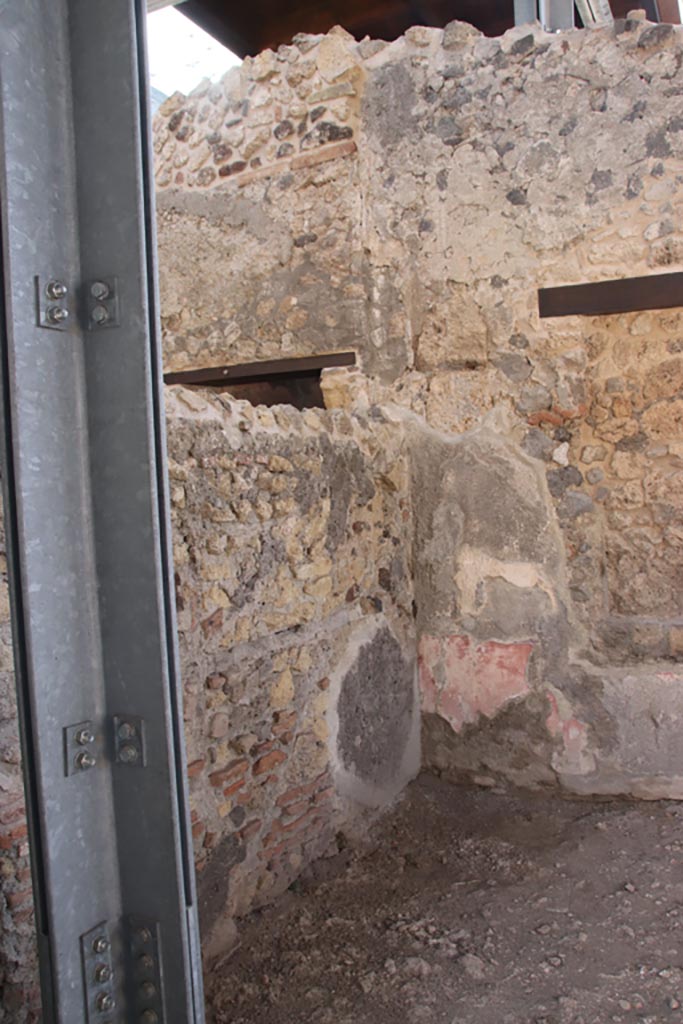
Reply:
x=17 y=899
x=8 y=815
x=262 y=748
x=269 y=761
x=296 y=794
x=234 y=788
x=213 y=623
x=294 y=810
x=25 y=914
x=282 y=722
x=231 y=771
x=250 y=829
x=322 y=155
x=194 y=768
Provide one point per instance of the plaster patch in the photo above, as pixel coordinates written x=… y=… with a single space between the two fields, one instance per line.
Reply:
x=475 y=565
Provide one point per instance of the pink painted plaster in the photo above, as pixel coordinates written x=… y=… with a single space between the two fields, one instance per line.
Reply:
x=461 y=680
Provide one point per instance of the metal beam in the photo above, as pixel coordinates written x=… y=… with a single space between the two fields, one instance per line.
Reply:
x=603 y=298
x=87 y=520
x=271 y=368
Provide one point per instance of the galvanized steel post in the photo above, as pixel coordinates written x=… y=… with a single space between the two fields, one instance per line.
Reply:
x=87 y=519
x=557 y=15
x=526 y=11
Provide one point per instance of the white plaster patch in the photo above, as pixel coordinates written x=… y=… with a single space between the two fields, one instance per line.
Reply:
x=475 y=566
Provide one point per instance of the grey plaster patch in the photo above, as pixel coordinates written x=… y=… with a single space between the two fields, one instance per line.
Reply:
x=375 y=708
x=480 y=492
x=510 y=612
x=514 y=746
x=505 y=510
x=388 y=104
x=212 y=884
x=346 y=474
x=645 y=755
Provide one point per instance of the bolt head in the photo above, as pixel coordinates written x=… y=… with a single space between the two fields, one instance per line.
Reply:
x=126 y=731
x=105 y=1001
x=146 y=962
x=57 y=315
x=99 y=290
x=99 y=314
x=128 y=754
x=150 y=1017
x=57 y=290
x=144 y=935
x=84 y=737
x=100 y=944
x=148 y=989
x=102 y=973
x=85 y=760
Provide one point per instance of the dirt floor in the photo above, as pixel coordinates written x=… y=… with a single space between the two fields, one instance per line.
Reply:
x=476 y=907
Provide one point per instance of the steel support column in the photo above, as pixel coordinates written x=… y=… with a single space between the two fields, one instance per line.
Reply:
x=87 y=520
x=526 y=11
x=556 y=15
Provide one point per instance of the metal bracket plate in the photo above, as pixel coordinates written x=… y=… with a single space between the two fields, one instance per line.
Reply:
x=102 y=303
x=145 y=970
x=129 y=740
x=98 y=975
x=51 y=303
x=80 y=748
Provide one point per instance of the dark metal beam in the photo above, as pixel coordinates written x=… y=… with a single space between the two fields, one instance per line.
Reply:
x=625 y=295
x=268 y=369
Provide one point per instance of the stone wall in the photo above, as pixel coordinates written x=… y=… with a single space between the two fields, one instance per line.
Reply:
x=292 y=545
x=546 y=454
x=493 y=494
x=294 y=588
x=19 y=995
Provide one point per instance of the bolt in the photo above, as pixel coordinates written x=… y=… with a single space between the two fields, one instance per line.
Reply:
x=100 y=944
x=144 y=934
x=148 y=989
x=85 y=760
x=99 y=314
x=150 y=1017
x=105 y=1001
x=57 y=315
x=146 y=962
x=128 y=754
x=126 y=731
x=102 y=973
x=56 y=290
x=84 y=736
x=99 y=290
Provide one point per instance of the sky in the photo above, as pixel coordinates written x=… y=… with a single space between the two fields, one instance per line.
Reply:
x=181 y=54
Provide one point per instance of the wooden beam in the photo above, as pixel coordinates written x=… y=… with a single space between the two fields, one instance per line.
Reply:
x=272 y=368
x=626 y=295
